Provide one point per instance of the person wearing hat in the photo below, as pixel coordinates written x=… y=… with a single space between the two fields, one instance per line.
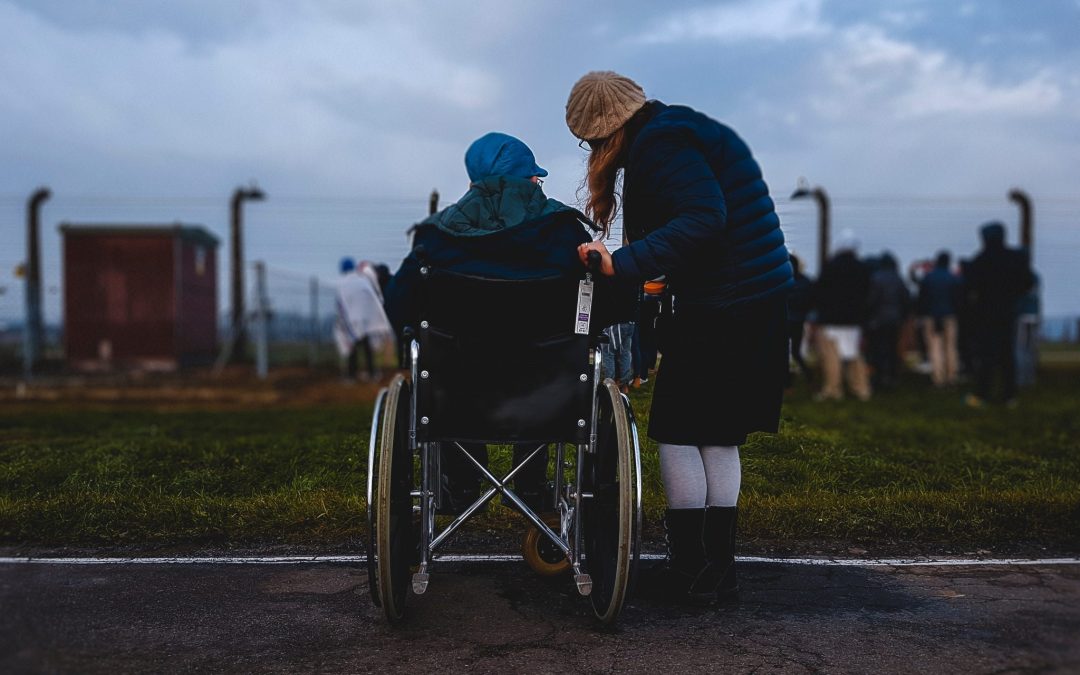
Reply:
x=503 y=227
x=696 y=210
x=361 y=324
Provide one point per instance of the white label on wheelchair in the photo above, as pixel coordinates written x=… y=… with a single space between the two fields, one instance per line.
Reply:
x=584 y=307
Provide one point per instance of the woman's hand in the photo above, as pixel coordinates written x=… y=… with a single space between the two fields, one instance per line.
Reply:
x=606 y=267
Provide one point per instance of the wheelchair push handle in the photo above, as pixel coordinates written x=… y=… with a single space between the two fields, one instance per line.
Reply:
x=594 y=260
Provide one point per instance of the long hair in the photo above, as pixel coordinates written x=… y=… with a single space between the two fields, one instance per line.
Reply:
x=602 y=179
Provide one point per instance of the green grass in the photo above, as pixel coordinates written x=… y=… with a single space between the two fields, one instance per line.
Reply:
x=915 y=469
x=919 y=465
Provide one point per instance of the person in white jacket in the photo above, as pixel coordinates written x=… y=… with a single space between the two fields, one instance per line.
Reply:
x=361 y=320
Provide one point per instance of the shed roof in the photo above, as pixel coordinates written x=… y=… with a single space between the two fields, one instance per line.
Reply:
x=190 y=232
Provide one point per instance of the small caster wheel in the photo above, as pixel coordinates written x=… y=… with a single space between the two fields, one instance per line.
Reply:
x=541 y=554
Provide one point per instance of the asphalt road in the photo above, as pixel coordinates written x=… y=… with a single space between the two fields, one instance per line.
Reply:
x=497 y=617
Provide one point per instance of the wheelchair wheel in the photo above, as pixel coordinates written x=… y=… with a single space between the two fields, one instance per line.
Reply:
x=395 y=533
x=541 y=555
x=372 y=479
x=611 y=520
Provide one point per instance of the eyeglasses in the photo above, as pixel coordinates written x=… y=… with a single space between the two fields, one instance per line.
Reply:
x=593 y=144
x=539 y=181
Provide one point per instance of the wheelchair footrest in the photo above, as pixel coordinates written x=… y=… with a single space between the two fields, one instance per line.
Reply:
x=420 y=582
x=584 y=583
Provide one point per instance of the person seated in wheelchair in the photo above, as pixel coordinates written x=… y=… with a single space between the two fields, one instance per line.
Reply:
x=503 y=227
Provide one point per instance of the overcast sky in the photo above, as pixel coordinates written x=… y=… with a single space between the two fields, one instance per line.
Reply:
x=348 y=113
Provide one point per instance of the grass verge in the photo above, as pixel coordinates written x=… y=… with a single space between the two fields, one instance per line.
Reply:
x=914 y=469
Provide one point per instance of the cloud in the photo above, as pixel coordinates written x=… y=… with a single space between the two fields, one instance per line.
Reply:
x=871 y=73
x=905 y=18
x=741 y=21
x=305 y=90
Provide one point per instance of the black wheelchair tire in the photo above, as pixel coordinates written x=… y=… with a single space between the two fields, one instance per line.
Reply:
x=611 y=517
x=394 y=536
x=371 y=487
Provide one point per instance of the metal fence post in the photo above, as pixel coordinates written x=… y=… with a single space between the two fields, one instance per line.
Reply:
x=822 y=199
x=262 y=313
x=313 y=345
x=32 y=338
x=236 y=204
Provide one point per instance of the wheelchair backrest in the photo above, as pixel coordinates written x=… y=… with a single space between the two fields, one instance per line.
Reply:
x=500 y=361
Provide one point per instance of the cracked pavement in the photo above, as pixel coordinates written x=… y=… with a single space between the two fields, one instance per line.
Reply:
x=498 y=617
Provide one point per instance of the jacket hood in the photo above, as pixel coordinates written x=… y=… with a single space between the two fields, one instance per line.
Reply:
x=495 y=204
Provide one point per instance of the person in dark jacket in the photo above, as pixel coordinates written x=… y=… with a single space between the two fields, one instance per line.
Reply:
x=889 y=302
x=997 y=280
x=939 y=302
x=798 y=310
x=696 y=210
x=840 y=297
x=504 y=227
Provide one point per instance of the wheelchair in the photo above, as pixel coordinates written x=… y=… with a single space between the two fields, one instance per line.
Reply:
x=500 y=362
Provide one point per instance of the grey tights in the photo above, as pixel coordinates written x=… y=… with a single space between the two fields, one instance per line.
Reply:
x=696 y=477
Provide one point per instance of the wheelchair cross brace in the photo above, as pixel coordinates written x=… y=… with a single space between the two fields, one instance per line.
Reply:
x=429 y=544
x=568 y=512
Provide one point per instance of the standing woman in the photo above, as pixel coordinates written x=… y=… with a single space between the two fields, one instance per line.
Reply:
x=696 y=210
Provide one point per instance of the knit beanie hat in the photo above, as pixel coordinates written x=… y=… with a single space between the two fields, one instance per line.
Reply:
x=497 y=154
x=601 y=102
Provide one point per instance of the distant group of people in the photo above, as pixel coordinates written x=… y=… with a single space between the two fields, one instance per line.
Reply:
x=978 y=319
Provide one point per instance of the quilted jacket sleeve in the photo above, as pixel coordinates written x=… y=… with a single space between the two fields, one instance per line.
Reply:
x=671 y=168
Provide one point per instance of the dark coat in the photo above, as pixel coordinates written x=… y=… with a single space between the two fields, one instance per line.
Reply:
x=696 y=208
x=939 y=293
x=996 y=281
x=503 y=228
x=889 y=299
x=800 y=300
x=841 y=291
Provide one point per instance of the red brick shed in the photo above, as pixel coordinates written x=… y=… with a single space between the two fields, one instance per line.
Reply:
x=139 y=296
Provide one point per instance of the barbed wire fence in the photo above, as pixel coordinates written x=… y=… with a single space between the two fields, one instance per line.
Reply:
x=301 y=323
x=308 y=233
x=290 y=323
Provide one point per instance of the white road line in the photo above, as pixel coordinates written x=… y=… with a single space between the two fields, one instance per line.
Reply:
x=315 y=560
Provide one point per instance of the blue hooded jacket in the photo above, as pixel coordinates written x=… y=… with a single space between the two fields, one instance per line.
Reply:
x=696 y=208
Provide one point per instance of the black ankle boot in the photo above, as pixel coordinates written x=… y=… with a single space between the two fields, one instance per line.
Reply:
x=670 y=580
x=717 y=581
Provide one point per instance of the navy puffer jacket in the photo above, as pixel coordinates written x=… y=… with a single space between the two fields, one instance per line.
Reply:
x=696 y=208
